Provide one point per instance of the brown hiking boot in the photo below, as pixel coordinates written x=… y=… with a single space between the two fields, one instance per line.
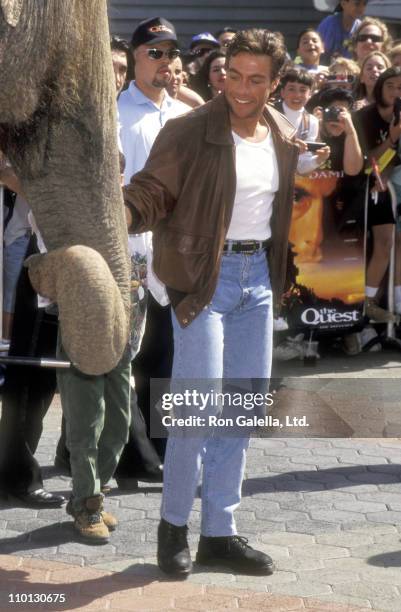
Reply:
x=89 y=522
x=109 y=520
x=376 y=313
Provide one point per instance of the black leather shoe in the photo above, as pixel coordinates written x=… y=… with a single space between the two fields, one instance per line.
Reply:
x=40 y=498
x=173 y=556
x=234 y=553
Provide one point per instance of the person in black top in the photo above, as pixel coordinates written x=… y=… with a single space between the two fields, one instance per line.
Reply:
x=338 y=132
x=378 y=134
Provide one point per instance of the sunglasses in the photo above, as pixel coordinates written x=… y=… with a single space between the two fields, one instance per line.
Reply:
x=373 y=37
x=156 y=54
x=201 y=52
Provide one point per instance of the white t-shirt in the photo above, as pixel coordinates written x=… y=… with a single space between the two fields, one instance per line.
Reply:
x=257 y=183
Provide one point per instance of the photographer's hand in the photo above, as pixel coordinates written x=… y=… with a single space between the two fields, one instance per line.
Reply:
x=353 y=158
x=323 y=154
x=395 y=132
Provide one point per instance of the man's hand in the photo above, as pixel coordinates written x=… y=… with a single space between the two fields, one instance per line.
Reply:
x=303 y=147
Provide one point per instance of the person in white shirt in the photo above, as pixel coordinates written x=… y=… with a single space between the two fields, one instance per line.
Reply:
x=295 y=91
x=144 y=108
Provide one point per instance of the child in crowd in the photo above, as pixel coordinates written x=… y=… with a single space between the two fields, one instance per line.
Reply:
x=345 y=70
x=295 y=91
x=310 y=48
x=337 y=30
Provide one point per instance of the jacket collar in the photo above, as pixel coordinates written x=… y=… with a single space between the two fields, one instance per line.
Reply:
x=218 y=130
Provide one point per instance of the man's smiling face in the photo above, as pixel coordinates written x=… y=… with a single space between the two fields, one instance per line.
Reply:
x=248 y=84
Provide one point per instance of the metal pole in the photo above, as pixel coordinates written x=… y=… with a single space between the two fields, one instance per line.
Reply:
x=40 y=362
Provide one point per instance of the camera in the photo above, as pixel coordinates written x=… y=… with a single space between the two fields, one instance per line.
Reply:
x=340 y=79
x=331 y=114
x=397 y=110
x=314 y=146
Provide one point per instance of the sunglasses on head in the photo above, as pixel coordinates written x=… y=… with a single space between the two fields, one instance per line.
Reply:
x=156 y=54
x=373 y=37
x=201 y=52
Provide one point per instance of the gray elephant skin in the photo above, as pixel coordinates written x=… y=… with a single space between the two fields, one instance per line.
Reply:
x=58 y=129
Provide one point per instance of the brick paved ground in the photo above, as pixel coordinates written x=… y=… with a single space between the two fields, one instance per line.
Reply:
x=327 y=509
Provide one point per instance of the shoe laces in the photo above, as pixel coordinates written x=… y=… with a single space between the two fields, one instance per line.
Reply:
x=177 y=534
x=94 y=518
x=241 y=540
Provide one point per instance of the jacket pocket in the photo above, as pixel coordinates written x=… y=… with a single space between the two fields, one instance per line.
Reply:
x=182 y=261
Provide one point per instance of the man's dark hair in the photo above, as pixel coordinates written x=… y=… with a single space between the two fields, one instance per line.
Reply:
x=390 y=73
x=328 y=96
x=119 y=44
x=297 y=75
x=259 y=42
x=224 y=30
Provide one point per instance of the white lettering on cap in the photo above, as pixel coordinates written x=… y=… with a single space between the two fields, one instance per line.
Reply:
x=160 y=28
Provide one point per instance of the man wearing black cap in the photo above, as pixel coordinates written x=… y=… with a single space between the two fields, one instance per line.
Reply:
x=144 y=108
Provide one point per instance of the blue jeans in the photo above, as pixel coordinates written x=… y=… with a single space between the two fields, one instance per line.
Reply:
x=14 y=255
x=231 y=338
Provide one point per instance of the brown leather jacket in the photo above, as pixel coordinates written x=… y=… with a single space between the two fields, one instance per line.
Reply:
x=185 y=194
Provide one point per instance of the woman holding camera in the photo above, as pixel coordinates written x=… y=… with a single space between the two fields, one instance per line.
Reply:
x=337 y=130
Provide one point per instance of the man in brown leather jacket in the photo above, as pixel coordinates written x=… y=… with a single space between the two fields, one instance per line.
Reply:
x=217 y=192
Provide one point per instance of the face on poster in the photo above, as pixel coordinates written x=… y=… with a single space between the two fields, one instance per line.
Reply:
x=327 y=250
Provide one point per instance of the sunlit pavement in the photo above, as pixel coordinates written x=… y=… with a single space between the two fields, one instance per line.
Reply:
x=327 y=509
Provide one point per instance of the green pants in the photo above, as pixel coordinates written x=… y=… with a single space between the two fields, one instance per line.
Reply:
x=97 y=413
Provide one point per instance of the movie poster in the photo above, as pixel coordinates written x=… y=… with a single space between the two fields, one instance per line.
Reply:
x=326 y=252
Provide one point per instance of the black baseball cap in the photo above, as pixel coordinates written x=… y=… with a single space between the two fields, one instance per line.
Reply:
x=155 y=30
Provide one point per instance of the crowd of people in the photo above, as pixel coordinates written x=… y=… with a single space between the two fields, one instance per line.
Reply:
x=202 y=286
